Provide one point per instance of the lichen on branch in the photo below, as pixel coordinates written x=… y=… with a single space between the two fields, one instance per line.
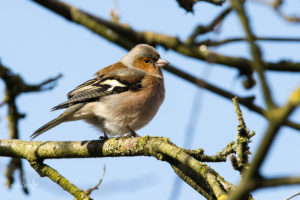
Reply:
x=200 y=176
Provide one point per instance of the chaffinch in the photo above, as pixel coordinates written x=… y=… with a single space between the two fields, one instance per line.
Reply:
x=122 y=98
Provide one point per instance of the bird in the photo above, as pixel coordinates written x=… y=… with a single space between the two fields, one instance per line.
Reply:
x=120 y=99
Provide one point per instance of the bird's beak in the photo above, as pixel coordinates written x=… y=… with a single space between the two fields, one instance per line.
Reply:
x=161 y=63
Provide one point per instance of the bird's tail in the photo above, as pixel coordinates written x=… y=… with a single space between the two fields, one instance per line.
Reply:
x=60 y=119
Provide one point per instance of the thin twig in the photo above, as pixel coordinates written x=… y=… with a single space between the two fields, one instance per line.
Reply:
x=89 y=191
x=239 y=112
x=294 y=195
x=46 y=171
x=241 y=145
x=241 y=39
x=44 y=85
x=200 y=29
x=277 y=7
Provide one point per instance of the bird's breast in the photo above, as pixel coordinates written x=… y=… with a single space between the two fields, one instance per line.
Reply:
x=132 y=109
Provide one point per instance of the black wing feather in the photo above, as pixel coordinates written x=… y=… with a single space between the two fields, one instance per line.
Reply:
x=85 y=96
x=94 y=89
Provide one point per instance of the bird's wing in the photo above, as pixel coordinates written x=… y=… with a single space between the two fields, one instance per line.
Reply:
x=114 y=82
x=99 y=75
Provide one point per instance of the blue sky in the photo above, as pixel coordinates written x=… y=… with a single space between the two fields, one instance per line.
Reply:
x=38 y=44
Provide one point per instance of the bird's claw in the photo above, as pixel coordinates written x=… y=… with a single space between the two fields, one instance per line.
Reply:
x=104 y=137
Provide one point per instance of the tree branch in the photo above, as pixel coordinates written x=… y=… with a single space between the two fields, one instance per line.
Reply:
x=258 y=64
x=245 y=101
x=48 y=84
x=277 y=117
x=210 y=182
x=14 y=87
x=200 y=29
x=45 y=170
x=15 y=164
x=271 y=182
x=96 y=187
x=126 y=37
x=241 y=39
x=277 y=6
x=241 y=146
x=294 y=195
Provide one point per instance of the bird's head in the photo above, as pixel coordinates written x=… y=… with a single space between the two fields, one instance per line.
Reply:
x=145 y=58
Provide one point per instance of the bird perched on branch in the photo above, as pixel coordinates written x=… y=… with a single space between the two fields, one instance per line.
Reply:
x=122 y=97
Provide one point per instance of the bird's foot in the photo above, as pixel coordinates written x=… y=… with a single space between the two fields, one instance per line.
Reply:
x=133 y=133
x=104 y=137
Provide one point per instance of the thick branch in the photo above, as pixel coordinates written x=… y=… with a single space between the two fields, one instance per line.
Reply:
x=205 y=177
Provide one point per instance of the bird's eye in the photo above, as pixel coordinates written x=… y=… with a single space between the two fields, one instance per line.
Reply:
x=146 y=61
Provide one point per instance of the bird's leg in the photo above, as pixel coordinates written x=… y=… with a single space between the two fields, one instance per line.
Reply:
x=133 y=133
x=105 y=137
